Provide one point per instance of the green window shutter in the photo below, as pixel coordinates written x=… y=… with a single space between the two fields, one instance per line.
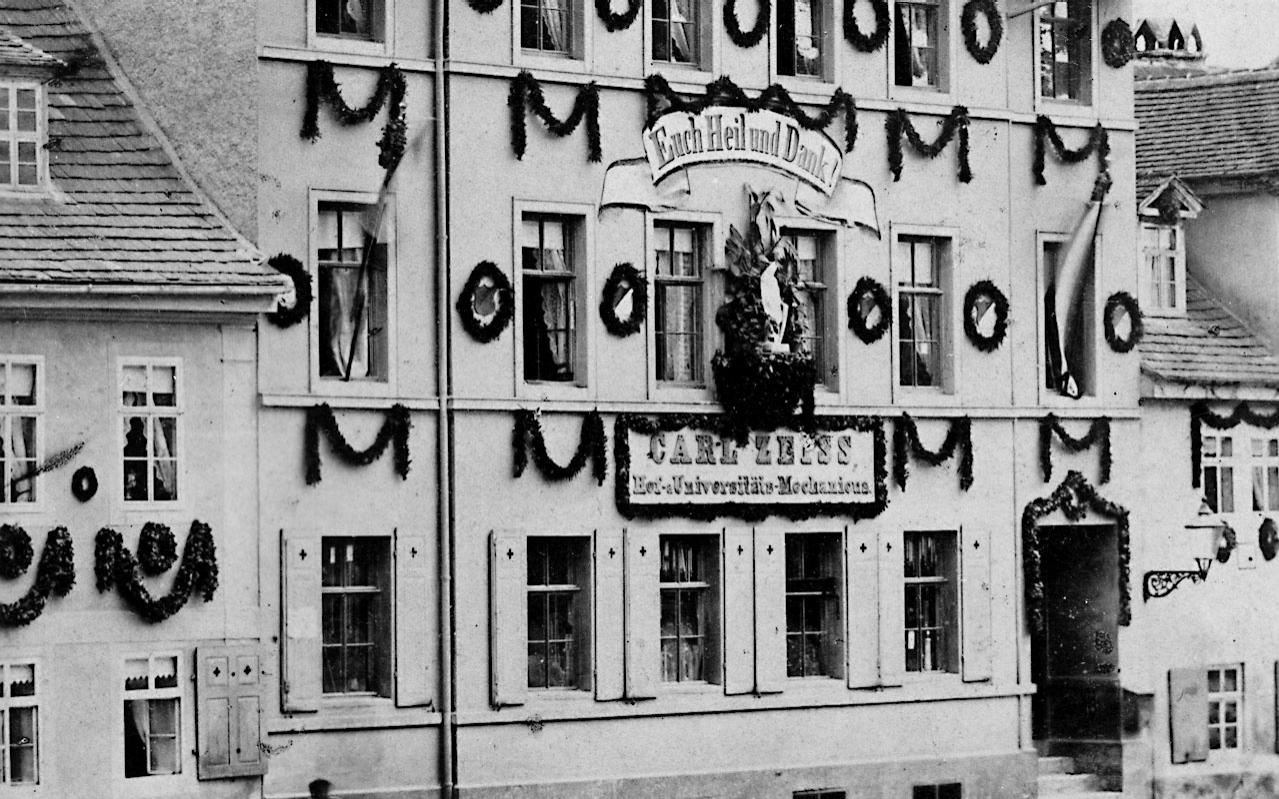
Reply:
x=609 y=614
x=1188 y=714
x=300 y=686
x=508 y=585
x=415 y=622
x=862 y=567
x=642 y=560
x=975 y=598
x=229 y=711
x=770 y=611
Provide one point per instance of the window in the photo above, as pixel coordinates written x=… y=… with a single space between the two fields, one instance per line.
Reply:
x=151 y=404
x=921 y=301
x=1163 y=256
x=549 y=27
x=558 y=621
x=1225 y=698
x=681 y=286
x=1065 y=50
x=949 y=790
x=356 y=616
x=351 y=255
x=21 y=135
x=1265 y=474
x=813 y=256
x=813 y=645
x=152 y=716
x=550 y=261
x=20 y=411
x=918 y=56
x=1218 y=473
x=932 y=634
x=822 y=793
x=801 y=38
x=677 y=31
x=351 y=19
x=19 y=725
x=1079 y=330
x=689 y=616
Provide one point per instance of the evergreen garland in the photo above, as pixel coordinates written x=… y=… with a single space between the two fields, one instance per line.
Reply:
x=55 y=576
x=898 y=124
x=906 y=444
x=1117 y=44
x=733 y=26
x=157 y=549
x=1000 y=306
x=982 y=54
x=763 y=393
x=484 y=6
x=1124 y=300
x=854 y=35
x=504 y=303
x=624 y=273
x=1098 y=433
x=593 y=444
x=293 y=269
x=526 y=93
x=321 y=87
x=395 y=429
x=116 y=567
x=1045 y=128
x=1200 y=415
x=868 y=286
x=15 y=551
x=617 y=22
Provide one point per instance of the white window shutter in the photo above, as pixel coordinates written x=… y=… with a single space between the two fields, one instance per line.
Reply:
x=415 y=616
x=739 y=613
x=892 y=608
x=770 y=611
x=642 y=563
x=610 y=638
x=508 y=626
x=974 y=564
x=1188 y=714
x=862 y=612
x=300 y=686
x=229 y=711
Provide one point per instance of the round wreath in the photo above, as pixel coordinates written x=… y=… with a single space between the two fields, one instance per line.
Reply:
x=854 y=35
x=1117 y=44
x=1122 y=300
x=1000 y=305
x=15 y=551
x=733 y=27
x=982 y=54
x=293 y=269
x=617 y=22
x=157 y=549
x=84 y=483
x=1268 y=538
x=624 y=274
x=868 y=288
x=503 y=305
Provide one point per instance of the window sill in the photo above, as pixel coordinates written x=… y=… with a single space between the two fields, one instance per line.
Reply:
x=338 y=387
x=338 y=44
x=1066 y=108
x=816 y=89
x=350 y=714
x=538 y=391
x=929 y=95
x=550 y=62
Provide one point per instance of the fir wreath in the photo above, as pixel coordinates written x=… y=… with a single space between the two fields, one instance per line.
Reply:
x=1045 y=128
x=157 y=549
x=1122 y=300
x=898 y=124
x=55 y=576
x=624 y=274
x=15 y=551
x=391 y=86
x=503 y=301
x=116 y=567
x=868 y=288
x=293 y=269
x=592 y=445
x=1098 y=434
x=526 y=92
x=1000 y=306
x=733 y=26
x=617 y=22
x=1200 y=415
x=1268 y=538
x=1117 y=44
x=906 y=444
x=395 y=429
x=853 y=33
x=982 y=54
x=84 y=483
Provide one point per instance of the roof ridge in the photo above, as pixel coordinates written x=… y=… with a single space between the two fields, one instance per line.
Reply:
x=1225 y=77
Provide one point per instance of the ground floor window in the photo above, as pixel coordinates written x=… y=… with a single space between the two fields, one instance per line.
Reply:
x=356 y=616
x=1225 y=700
x=557 y=616
x=688 y=615
x=949 y=790
x=812 y=607
x=19 y=720
x=152 y=716
x=931 y=604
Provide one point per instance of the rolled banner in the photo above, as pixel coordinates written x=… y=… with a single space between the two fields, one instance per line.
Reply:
x=1065 y=292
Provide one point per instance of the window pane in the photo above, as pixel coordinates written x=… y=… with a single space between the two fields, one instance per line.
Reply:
x=22 y=679
x=1227 y=490
x=137 y=673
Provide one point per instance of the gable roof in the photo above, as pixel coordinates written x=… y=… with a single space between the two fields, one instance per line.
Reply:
x=121 y=213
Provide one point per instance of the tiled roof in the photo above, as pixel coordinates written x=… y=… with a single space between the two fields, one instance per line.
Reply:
x=1209 y=346
x=16 y=53
x=120 y=212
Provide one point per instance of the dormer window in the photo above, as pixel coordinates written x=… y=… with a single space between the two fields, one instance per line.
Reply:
x=21 y=135
x=1163 y=266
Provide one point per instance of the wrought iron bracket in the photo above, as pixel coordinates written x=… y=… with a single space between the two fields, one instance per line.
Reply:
x=1157 y=584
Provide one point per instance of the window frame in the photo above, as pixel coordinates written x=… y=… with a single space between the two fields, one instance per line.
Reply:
x=177 y=410
x=830 y=53
x=709 y=227
x=162 y=782
x=583 y=611
x=945 y=387
x=40 y=137
x=1149 y=297
x=1220 y=698
x=947 y=55
x=38 y=411
x=1048 y=397
x=578 y=58
x=830 y=247
x=703 y=249
x=712 y=634
x=384 y=639
x=1238 y=461
x=352 y=44
x=834 y=615
x=1088 y=73
x=9 y=703
x=950 y=621
x=708 y=43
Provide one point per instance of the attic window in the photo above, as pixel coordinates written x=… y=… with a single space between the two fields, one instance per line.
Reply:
x=21 y=135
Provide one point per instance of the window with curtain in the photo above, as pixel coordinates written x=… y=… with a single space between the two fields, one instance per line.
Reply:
x=549 y=286
x=916 y=40
x=932 y=629
x=1065 y=50
x=679 y=308
x=1163 y=256
x=352 y=260
x=546 y=26
x=801 y=37
x=350 y=19
x=811 y=264
x=1218 y=464
x=812 y=604
x=356 y=616
x=688 y=587
x=19 y=724
x=21 y=135
x=150 y=408
x=558 y=620
x=21 y=409
x=676 y=32
x=920 y=308
x=152 y=716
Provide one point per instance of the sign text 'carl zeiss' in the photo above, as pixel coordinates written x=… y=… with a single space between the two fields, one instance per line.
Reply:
x=722 y=133
x=692 y=467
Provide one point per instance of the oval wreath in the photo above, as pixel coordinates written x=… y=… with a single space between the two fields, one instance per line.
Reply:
x=982 y=54
x=617 y=22
x=293 y=269
x=753 y=36
x=869 y=290
x=84 y=483
x=485 y=326
x=1117 y=45
x=1268 y=538
x=998 y=304
x=624 y=274
x=157 y=549
x=15 y=551
x=854 y=35
x=1122 y=300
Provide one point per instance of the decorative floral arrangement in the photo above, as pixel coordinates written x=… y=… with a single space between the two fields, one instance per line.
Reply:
x=906 y=445
x=115 y=567
x=55 y=576
x=617 y=22
x=293 y=269
x=395 y=429
x=1045 y=128
x=869 y=295
x=1122 y=300
x=391 y=86
x=1118 y=46
x=592 y=445
x=1200 y=415
x=986 y=342
x=1098 y=433
x=84 y=483
x=526 y=92
x=733 y=26
x=898 y=124
x=157 y=549
x=1268 y=538
x=876 y=39
x=486 y=303
x=1075 y=497
x=624 y=277
x=15 y=551
x=988 y=9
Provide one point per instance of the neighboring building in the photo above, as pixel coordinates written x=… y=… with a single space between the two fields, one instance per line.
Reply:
x=1168 y=47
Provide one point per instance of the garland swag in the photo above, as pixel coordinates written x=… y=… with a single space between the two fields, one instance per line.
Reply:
x=503 y=302
x=116 y=567
x=55 y=576
x=15 y=551
x=898 y=123
x=593 y=444
x=293 y=269
x=877 y=38
x=1075 y=497
x=1045 y=128
x=868 y=288
x=733 y=27
x=982 y=54
x=723 y=91
x=1117 y=44
x=322 y=87
x=1200 y=415
x=395 y=429
x=1098 y=433
x=624 y=274
x=617 y=22
x=526 y=93
x=1116 y=301
x=906 y=444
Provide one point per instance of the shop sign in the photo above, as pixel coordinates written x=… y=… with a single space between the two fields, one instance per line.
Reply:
x=724 y=134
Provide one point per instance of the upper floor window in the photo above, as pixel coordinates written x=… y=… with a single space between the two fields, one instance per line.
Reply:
x=152 y=716
x=932 y=628
x=351 y=19
x=680 y=296
x=921 y=298
x=917 y=41
x=558 y=616
x=802 y=37
x=689 y=586
x=813 y=264
x=677 y=31
x=550 y=27
x=1265 y=473
x=1065 y=50
x=21 y=135
x=150 y=404
x=19 y=724
x=351 y=257
x=1218 y=464
x=356 y=615
x=1163 y=256
x=1070 y=340
x=549 y=284
x=20 y=412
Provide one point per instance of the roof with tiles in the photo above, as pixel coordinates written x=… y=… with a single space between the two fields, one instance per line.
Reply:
x=119 y=212
x=16 y=53
x=1209 y=346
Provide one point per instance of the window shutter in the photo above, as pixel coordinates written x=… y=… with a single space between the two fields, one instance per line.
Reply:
x=643 y=613
x=300 y=687
x=862 y=558
x=415 y=643
x=770 y=611
x=892 y=610
x=739 y=613
x=610 y=639
x=508 y=627
x=1188 y=714
x=228 y=718
x=975 y=600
